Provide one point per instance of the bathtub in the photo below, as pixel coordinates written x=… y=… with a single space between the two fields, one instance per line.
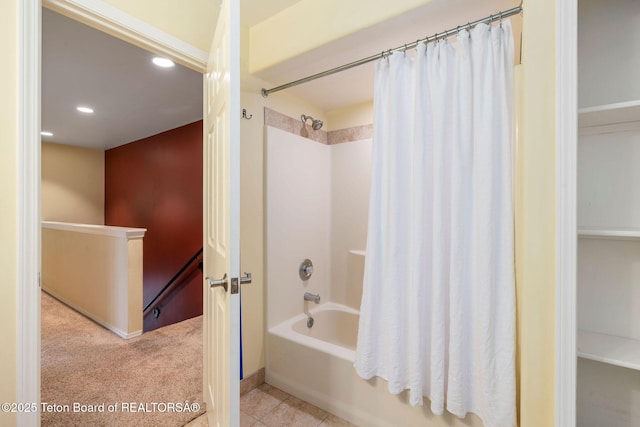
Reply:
x=335 y=330
x=316 y=365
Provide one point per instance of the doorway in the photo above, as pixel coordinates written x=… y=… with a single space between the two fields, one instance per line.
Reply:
x=28 y=344
x=136 y=161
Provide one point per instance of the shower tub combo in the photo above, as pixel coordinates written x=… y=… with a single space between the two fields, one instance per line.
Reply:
x=316 y=208
x=316 y=364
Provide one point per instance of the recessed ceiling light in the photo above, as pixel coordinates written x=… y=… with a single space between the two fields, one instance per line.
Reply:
x=163 y=62
x=45 y=133
x=85 y=110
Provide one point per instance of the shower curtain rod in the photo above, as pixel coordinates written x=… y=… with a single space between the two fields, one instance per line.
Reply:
x=436 y=36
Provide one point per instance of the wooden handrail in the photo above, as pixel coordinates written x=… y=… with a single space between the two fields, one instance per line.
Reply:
x=174 y=280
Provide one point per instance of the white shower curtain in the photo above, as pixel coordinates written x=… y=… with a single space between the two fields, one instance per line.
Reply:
x=438 y=305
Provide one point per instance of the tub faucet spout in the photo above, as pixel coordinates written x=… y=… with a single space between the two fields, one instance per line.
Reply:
x=308 y=296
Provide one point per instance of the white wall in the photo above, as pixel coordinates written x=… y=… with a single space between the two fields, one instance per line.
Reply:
x=608 y=51
x=350 y=182
x=608 y=277
x=297 y=221
x=317 y=202
x=607 y=395
x=608 y=180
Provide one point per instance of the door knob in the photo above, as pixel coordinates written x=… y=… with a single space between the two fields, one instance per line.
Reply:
x=224 y=282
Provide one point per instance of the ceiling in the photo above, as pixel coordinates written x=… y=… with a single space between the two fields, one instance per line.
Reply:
x=131 y=97
x=134 y=99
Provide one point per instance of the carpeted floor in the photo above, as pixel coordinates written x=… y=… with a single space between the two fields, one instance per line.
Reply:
x=143 y=381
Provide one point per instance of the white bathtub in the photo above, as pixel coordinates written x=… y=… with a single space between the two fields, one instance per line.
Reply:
x=316 y=365
x=335 y=330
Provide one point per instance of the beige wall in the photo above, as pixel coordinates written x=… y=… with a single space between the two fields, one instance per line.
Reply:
x=535 y=217
x=193 y=24
x=351 y=116
x=72 y=184
x=331 y=20
x=111 y=257
x=8 y=195
x=252 y=237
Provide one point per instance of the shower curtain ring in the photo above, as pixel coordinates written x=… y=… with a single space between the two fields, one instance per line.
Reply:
x=500 y=19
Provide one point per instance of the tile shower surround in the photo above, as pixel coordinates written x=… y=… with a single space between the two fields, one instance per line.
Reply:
x=295 y=126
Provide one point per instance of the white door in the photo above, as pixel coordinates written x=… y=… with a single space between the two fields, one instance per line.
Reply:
x=221 y=240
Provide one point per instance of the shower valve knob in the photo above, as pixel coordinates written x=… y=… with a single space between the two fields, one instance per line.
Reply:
x=306 y=269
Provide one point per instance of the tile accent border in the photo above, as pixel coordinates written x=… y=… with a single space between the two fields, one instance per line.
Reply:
x=252 y=381
x=355 y=133
x=295 y=126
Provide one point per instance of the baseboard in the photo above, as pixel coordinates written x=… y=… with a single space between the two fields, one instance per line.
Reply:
x=101 y=322
x=252 y=381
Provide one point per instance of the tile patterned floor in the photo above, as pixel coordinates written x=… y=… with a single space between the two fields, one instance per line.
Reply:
x=267 y=406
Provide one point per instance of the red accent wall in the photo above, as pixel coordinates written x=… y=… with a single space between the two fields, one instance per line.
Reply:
x=156 y=183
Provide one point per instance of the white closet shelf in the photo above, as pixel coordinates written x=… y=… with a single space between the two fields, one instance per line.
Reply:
x=357 y=252
x=609 y=233
x=609 y=349
x=609 y=114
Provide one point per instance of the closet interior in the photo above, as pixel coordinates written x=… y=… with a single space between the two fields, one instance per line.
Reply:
x=608 y=270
